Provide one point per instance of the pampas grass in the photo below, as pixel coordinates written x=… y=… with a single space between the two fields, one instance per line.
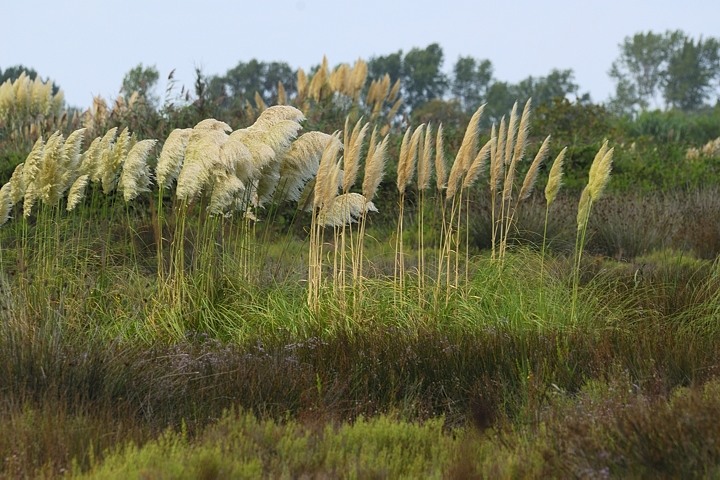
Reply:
x=406 y=171
x=463 y=160
x=171 y=157
x=598 y=178
x=325 y=192
x=76 y=193
x=135 y=176
x=551 y=190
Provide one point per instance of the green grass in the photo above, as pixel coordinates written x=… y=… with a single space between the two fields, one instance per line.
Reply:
x=102 y=376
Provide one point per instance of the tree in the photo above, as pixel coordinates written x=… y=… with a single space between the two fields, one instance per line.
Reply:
x=142 y=80
x=558 y=84
x=690 y=73
x=388 y=64
x=242 y=81
x=671 y=64
x=422 y=75
x=471 y=82
x=500 y=98
x=641 y=66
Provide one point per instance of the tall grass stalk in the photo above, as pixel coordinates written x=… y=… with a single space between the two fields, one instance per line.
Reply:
x=597 y=181
x=551 y=190
x=325 y=192
x=404 y=170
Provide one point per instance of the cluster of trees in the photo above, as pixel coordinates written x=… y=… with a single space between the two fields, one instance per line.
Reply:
x=666 y=68
x=669 y=70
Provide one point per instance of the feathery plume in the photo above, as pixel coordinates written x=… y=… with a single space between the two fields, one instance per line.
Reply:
x=346 y=209
x=281 y=94
x=413 y=151
x=46 y=184
x=404 y=158
x=468 y=147
x=32 y=164
x=599 y=180
x=71 y=149
x=236 y=157
x=323 y=179
x=372 y=145
x=394 y=109
x=135 y=176
x=226 y=190
x=374 y=169
x=267 y=183
x=584 y=208
x=595 y=165
x=277 y=114
x=440 y=166
x=302 y=84
x=259 y=102
x=532 y=173
x=478 y=165
x=90 y=158
x=555 y=177
x=261 y=154
x=352 y=155
x=103 y=154
x=112 y=160
x=171 y=157
x=511 y=131
x=394 y=92
x=6 y=203
x=500 y=149
x=17 y=187
x=77 y=192
x=425 y=162
x=212 y=124
x=201 y=155
x=358 y=77
x=301 y=163
x=523 y=130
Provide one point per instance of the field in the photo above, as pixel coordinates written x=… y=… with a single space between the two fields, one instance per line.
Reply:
x=317 y=295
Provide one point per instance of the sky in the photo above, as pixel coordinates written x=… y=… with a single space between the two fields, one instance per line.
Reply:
x=87 y=47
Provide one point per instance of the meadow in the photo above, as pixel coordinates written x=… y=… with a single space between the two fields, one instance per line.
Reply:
x=321 y=292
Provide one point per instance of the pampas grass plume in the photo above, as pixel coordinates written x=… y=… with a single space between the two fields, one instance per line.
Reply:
x=440 y=166
x=345 y=209
x=532 y=173
x=352 y=155
x=135 y=176
x=584 y=208
x=17 y=187
x=374 y=169
x=6 y=202
x=403 y=159
x=477 y=167
x=425 y=162
x=201 y=154
x=523 y=130
x=324 y=177
x=171 y=157
x=77 y=192
x=601 y=175
x=555 y=177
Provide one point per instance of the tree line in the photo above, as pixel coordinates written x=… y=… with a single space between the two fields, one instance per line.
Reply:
x=669 y=70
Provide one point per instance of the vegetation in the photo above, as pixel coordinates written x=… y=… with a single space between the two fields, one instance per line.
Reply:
x=328 y=287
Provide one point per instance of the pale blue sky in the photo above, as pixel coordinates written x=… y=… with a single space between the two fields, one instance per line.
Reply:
x=87 y=46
